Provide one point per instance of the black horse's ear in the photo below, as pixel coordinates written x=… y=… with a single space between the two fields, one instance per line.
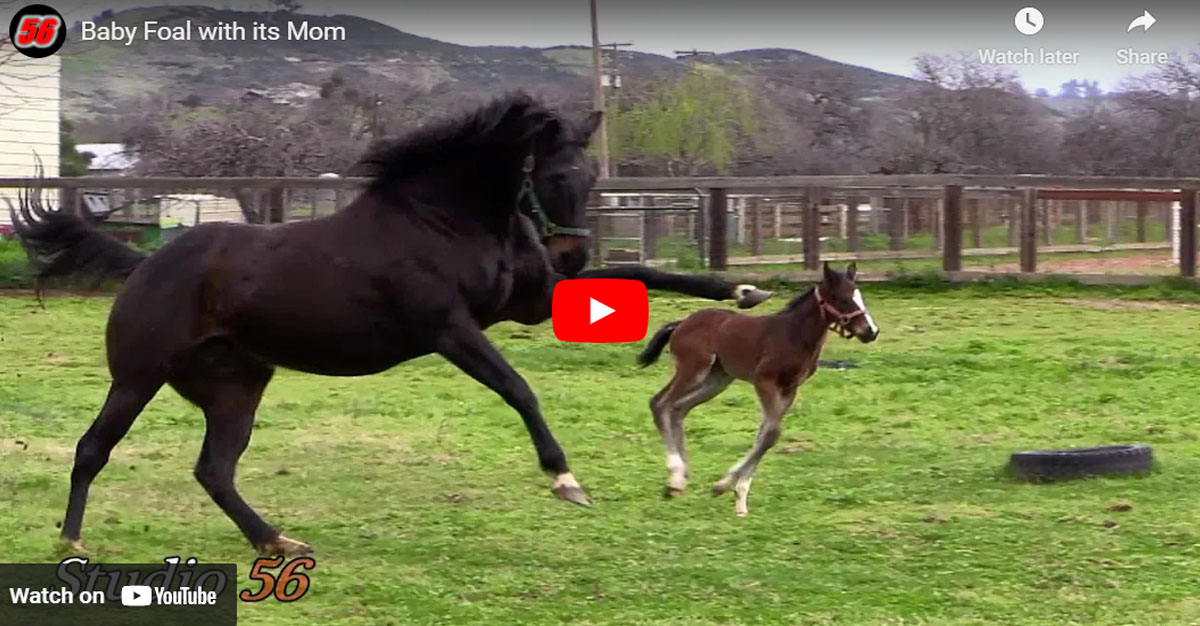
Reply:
x=591 y=123
x=852 y=270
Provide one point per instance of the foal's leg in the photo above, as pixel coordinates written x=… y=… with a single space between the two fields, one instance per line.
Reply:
x=124 y=403
x=467 y=348
x=691 y=387
x=228 y=385
x=775 y=403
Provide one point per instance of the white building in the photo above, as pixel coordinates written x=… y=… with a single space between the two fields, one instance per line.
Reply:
x=29 y=118
x=108 y=159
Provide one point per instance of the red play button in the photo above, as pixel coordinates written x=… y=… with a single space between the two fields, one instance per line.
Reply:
x=600 y=310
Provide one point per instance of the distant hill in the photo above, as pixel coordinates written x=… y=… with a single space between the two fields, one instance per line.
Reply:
x=99 y=76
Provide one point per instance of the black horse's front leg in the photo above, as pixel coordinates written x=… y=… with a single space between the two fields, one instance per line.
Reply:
x=709 y=287
x=465 y=346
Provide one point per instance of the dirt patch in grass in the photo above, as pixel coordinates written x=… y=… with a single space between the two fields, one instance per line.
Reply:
x=1147 y=264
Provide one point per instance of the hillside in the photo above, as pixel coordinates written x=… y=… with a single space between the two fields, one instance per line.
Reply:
x=101 y=78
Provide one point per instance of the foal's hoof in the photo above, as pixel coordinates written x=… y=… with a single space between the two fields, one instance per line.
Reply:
x=721 y=486
x=671 y=493
x=749 y=296
x=282 y=546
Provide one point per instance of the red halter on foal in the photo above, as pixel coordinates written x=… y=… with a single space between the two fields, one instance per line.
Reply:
x=840 y=320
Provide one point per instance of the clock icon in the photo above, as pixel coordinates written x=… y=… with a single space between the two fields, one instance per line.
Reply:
x=1029 y=21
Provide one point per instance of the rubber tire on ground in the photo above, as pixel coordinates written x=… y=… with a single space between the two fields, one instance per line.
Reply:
x=1045 y=465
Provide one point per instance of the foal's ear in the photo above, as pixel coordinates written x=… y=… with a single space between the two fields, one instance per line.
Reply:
x=830 y=274
x=591 y=123
x=852 y=270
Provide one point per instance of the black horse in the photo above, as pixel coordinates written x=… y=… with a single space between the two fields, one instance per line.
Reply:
x=463 y=225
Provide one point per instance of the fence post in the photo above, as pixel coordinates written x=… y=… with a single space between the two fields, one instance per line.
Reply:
x=755 y=220
x=275 y=206
x=811 y=228
x=852 y=238
x=718 y=210
x=895 y=223
x=1029 y=232
x=649 y=233
x=952 y=229
x=1110 y=223
x=1187 y=233
x=593 y=220
x=1142 y=209
x=1014 y=221
x=1081 y=218
x=937 y=223
x=1048 y=221
x=69 y=199
x=975 y=214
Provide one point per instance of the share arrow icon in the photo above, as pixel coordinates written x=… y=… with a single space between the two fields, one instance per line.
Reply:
x=1145 y=21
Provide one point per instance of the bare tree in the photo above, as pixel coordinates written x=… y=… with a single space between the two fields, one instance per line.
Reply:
x=256 y=139
x=967 y=117
x=1162 y=110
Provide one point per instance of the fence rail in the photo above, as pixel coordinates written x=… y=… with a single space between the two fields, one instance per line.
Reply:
x=1031 y=209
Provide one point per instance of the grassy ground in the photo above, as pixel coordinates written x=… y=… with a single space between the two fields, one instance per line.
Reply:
x=884 y=502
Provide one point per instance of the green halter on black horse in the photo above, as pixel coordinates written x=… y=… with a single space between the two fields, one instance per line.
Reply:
x=463 y=225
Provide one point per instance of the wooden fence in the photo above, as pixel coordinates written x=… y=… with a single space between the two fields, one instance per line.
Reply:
x=957 y=198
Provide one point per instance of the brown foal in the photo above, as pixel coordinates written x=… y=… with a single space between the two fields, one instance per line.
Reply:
x=776 y=353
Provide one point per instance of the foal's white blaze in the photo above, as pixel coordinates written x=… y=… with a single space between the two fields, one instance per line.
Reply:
x=858 y=300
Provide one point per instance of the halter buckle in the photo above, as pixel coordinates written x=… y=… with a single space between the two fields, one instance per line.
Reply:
x=840 y=320
x=546 y=228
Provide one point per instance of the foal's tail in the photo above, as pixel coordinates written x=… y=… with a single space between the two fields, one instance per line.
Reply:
x=657 y=343
x=61 y=244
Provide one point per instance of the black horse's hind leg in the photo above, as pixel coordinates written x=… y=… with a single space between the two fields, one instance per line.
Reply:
x=467 y=348
x=124 y=403
x=710 y=287
x=228 y=385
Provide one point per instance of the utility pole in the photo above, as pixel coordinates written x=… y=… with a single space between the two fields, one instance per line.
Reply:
x=598 y=95
x=614 y=81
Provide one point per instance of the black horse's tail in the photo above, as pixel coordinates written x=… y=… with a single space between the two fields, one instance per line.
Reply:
x=657 y=343
x=61 y=244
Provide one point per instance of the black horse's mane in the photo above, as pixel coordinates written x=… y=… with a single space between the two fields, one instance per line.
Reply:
x=496 y=133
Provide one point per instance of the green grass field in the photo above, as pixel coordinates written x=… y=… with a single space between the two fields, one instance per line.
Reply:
x=884 y=503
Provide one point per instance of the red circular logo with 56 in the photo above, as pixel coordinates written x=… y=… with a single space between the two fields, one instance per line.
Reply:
x=37 y=31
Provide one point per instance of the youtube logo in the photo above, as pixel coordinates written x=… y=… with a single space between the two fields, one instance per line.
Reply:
x=600 y=310
x=135 y=595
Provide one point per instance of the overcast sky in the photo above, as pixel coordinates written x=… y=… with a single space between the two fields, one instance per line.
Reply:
x=880 y=35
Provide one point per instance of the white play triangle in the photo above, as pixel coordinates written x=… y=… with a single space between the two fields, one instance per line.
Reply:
x=598 y=310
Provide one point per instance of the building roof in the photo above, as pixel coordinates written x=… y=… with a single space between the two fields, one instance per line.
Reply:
x=108 y=156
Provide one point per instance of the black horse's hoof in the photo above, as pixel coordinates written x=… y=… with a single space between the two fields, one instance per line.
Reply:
x=749 y=296
x=572 y=493
x=283 y=546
